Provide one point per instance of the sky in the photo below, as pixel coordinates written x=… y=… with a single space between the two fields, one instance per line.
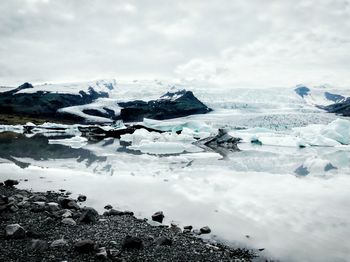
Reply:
x=226 y=42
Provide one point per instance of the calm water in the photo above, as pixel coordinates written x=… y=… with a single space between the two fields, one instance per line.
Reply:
x=259 y=191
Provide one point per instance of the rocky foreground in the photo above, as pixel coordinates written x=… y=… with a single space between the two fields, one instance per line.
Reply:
x=53 y=227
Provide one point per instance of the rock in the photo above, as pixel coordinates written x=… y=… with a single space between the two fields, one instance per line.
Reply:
x=46 y=104
x=205 y=230
x=81 y=198
x=188 y=228
x=108 y=207
x=13 y=208
x=15 y=231
x=67 y=214
x=53 y=206
x=113 y=212
x=102 y=253
x=69 y=221
x=59 y=243
x=38 y=198
x=342 y=108
x=38 y=245
x=89 y=215
x=222 y=143
x=163 y=241
x=170 y=105
x=113 y=243
x=132 y=243
x=175 y=229
x=39 y=203
x=84 y=246
x=11 y=182
x=68 y=203
x=158 y=216
x=3 y=200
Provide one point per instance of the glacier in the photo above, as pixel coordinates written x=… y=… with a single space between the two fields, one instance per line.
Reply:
x=287 y=187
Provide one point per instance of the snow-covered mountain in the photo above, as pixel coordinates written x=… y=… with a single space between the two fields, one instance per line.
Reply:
x=76 y=88
x=321 y=95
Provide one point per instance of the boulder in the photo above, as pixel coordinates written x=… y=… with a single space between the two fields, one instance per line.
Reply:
x=89 y=215
x=15 y=231
x=68 y=203
x=11 y=182
x=205 y=230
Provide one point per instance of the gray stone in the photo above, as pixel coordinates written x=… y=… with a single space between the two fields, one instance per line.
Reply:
x=15 y=231
x=205 y=230
x=69 y=221
x=38 y=245
x=163 y=241
x=59 y=243
x=158 y=216
x=84 y=246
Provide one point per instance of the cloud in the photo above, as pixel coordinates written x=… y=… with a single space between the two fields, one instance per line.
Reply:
x=238 y=42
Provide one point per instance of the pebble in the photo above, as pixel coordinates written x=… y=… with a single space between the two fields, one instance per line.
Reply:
x=81 y=198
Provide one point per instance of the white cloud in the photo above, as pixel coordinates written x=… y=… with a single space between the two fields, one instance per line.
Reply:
x=239 y=42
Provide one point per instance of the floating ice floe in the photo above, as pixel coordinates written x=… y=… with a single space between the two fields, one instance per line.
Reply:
x=168 y=142
x=74 y=142
x=315 y=165
x=11 y=128
x=335 y=134
x=197 y=129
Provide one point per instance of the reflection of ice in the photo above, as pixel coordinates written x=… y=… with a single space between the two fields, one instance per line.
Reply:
x=294 y=219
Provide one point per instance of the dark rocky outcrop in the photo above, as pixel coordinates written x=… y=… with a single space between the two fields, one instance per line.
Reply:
x=47 y=105
x=96 y=131
x=222 y=143
x=171 y=105
x=44 y=104
x=302 y=91
x=341 y=108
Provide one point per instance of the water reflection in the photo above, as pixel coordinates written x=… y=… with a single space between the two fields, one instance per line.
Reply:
x=37 y=147
x=254 y=192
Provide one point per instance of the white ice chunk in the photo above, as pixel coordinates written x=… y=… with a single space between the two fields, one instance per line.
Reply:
x=165 y=148
x=74 y=142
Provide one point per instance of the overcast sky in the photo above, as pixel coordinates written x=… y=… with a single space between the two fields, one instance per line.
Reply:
x=230 y=42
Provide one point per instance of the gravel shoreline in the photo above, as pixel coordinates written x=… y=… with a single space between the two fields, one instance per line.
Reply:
x=50 y=226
